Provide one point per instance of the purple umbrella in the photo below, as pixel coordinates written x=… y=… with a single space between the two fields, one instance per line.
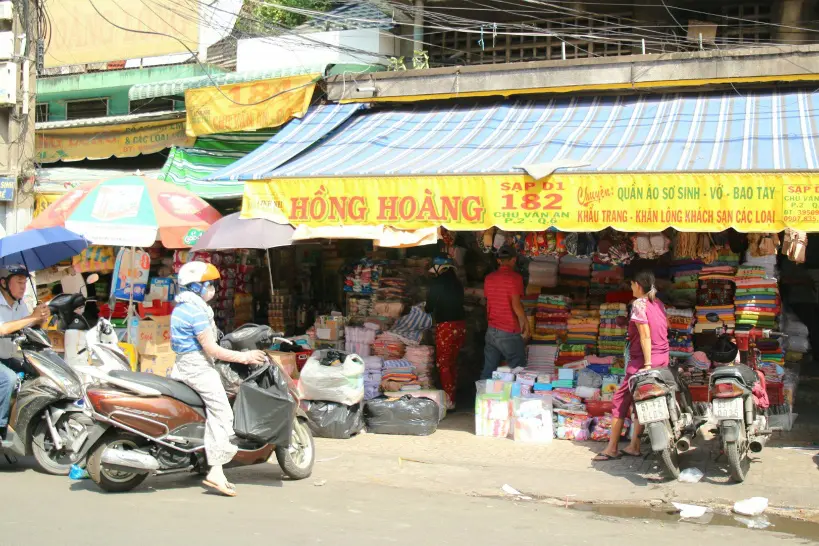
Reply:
x=231 y=232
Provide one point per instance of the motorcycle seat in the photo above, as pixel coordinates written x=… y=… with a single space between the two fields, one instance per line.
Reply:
x=663 y=375
x=168 y=387
x=743 y=373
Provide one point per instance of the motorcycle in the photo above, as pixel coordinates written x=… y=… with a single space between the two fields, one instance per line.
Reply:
x=48 y=419
x=155 y=426
x=663 y=404
x=742 y=423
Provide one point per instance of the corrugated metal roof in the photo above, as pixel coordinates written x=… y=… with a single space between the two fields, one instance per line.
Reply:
x=108 y=120
x=170 y=88
x=350 y=17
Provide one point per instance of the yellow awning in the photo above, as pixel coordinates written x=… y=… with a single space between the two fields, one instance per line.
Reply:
x=748 y=202
x=103 y=141
x=248 y=106
x=384 y=236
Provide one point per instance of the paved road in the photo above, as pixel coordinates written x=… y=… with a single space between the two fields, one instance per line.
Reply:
x=46 y=510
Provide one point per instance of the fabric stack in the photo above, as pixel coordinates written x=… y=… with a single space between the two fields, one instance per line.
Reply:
x=757 y=302
x=391 y=289
x=551 y=318
x=613 y=329
x=397 y=374
x=540 y=359
x=715 y=296
x=358 y=340
x=575 y=272
x=772 y=360
x=680 y=331
x=388 y=347
x=570 y=353
x=422 y=358
x=372 y=376
x=605 y=277
x=411 y=326
x=364 y=278
x=583 y=327
x=543 y=273
x=685 y=275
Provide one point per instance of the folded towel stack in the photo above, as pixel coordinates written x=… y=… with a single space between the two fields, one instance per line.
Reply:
x=613 y=329
x=551 y=318
x=757 y=302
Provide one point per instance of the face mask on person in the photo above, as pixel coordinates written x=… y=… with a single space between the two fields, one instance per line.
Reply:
x=209 y=293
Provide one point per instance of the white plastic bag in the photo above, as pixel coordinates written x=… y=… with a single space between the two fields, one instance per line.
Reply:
x=342 y=384
x=691 y=475
x=751 y=507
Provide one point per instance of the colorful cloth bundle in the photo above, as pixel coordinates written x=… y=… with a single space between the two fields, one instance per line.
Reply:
x=725 y=313
x=605 y=277
x=543 y=272
x=601 y=428
x=570 y=353
x=422 y=358
x=613 y=329
x=551 y=318
x=397 y=373
x=388 y=347
x=575 y=271
x=757 y=302
x=411 y=326
x=541 y=359
x=364 y=278
x=680 y=330
x=583 y=326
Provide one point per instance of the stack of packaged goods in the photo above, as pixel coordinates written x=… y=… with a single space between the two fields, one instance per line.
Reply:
x=540 y=359
x=363 y=279
x=680 y=331
x=397 y=375
x=757 y=301
x=493 y=408
x=551 y=319
x=613 y=329
x=360 y=306
x=532 y=420
x=373 y=366
x=715 y=298
x=569 y=354
x=601 y=428
x=583 y=328
x=422 y=357
x=359 y=340
x=280 y=314
x=242 y=309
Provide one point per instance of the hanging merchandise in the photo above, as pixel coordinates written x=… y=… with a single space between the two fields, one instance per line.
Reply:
x=131 y=272
x=795 y=246
x=650 y=246
x=94 y=259
x=614 y=247
x=763 y=244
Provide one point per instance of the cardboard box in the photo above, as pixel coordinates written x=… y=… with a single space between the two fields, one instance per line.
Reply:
x=154 y=335
x=287 y=361
x=162 y=289
x=160 y=364
x=331 y=333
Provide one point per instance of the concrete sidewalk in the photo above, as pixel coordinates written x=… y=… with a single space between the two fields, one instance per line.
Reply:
x=455 y=460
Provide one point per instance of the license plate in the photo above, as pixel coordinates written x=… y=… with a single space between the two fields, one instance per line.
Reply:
x=728 y=408
x=651 y=411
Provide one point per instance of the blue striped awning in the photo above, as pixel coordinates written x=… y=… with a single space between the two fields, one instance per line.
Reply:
x=293 y=139
x=705 y=132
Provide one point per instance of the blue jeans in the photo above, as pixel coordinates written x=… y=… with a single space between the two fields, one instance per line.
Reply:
x=500 y=346
x=8 y=380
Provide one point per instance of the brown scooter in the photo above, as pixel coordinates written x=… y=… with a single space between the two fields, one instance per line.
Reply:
x=156 y=426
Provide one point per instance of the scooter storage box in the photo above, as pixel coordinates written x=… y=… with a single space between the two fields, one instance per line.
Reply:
x=264 y=408
x=405 y=416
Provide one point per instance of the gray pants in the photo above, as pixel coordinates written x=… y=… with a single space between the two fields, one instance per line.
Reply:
x=500 y=346
x=196 y=371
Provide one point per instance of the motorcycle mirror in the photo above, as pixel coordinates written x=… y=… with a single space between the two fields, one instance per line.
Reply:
x=712 y=317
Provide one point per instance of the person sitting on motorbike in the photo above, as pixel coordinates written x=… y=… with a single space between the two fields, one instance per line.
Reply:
x=14 y=316
x=194 y=340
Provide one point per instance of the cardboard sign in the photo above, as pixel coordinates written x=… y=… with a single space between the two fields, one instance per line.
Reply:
x=160 y=364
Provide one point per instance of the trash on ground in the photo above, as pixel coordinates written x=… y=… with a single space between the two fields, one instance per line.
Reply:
x=320 y=483
x=690 y=510
x=509 y=490
x=691 y=475
x=77 y=473
x=760 y=522
x=751 y=507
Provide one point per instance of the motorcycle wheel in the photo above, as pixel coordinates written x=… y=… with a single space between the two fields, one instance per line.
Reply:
x=297 y=460
x=737 y=463
x=51 y=460
x=114 y=481
x=671 y=462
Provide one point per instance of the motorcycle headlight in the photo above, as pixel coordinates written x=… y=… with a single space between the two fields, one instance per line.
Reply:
x=64 y=380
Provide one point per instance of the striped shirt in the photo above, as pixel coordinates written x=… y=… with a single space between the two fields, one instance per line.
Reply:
x=187 y=322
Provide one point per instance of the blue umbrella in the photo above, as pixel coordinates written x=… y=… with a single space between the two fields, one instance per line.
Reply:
x=40 y=248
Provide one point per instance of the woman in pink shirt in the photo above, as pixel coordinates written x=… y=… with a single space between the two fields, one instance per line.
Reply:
x=647 y=348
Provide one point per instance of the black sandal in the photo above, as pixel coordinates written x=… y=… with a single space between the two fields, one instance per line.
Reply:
x=603 y=457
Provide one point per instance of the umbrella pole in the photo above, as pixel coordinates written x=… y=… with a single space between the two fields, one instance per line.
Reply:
x=30 y=281
x=269 y=272
x=130 y=298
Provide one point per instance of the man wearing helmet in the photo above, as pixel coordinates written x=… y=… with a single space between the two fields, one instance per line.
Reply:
x=193 y=339
x=14 y=316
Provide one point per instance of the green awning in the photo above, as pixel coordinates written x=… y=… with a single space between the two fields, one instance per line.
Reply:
x=189 y=167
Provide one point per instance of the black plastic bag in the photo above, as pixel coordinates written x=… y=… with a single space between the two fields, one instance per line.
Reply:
x=332 y=420
x=406 y=416
x=264 y=408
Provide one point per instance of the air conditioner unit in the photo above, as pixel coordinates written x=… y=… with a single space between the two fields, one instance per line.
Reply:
x=6 y=11
x=6 y=46
x=8 y=84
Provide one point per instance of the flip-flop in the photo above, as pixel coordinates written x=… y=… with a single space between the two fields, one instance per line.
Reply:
x=624 y=453
x=224 y=490
x=602 y=458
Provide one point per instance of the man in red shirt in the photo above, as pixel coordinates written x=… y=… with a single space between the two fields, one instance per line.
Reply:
x=508 y=325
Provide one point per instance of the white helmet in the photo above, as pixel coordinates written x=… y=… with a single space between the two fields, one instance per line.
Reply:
x=197 y=272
